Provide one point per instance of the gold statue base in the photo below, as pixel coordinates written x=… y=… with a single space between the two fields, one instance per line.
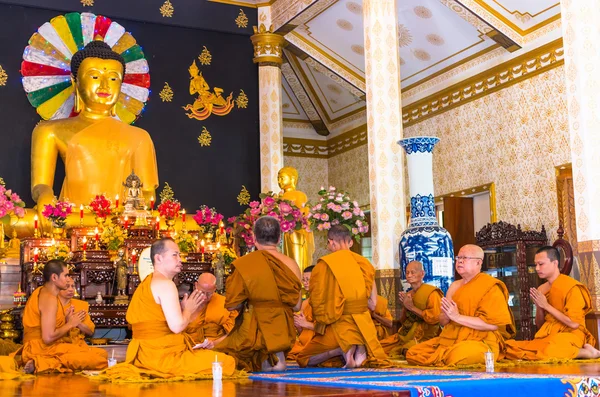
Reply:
x=121 y=300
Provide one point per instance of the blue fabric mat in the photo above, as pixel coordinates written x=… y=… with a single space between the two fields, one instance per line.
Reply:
x=438 y=383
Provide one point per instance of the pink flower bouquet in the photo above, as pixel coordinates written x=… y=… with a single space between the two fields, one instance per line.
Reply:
x=10 y=202
x=336 y=208
x=208 y=219
x=58 y=213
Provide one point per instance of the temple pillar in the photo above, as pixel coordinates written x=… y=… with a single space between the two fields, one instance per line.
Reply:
x=268 y=54
x=384 y=123
x=580 y=22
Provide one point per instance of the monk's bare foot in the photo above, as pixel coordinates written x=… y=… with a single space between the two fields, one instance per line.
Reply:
x=360 y=355
x=266 y=367
x=349 y=356
x=281 y=365
x=595 y=353
x=29 y=367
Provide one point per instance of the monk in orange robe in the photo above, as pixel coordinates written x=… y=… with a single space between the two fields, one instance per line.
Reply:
x=420 y=315
x=475 y=316
x=342 y=291
x=159 y=348
x=303 y=320
x=561 y=306
x=86 y=327
x=382 y=318
x=47 y=326
x=268 y=284
x=213 y=322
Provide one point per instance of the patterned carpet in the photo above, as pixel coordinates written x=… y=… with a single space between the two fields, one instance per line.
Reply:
x=437 y=383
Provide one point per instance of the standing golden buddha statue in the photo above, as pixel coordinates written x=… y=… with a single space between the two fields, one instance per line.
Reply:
x=98 y=150
x=299 y=244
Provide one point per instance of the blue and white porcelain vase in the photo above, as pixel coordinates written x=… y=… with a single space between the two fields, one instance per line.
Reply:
x=425 y=240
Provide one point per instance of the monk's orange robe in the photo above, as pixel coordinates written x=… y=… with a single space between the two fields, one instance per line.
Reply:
x=271 y=290
x=555 y=339
x=340 y=286
x=417 y=329
x=484 y=297
x=61 y=355
x=381 y=308
x=306 y=335
x=156 y=352
x=75 y=335
x=213 y=321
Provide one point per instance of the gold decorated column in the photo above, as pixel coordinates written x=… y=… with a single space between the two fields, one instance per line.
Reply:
x=384 y=123
x=268 y=55
x=580 y=21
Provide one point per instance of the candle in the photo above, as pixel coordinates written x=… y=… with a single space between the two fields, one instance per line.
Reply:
x=133 y=256
x=126 y=221
x=152 y=203
x=117 y=201
x=157 y=224
x=218 y=245
x=96 y=231
x=221 y=227
x=84 y=243
x=35 y=255
x=35 y=222
x=81 y=211
x=183 y=215
x=202 y=246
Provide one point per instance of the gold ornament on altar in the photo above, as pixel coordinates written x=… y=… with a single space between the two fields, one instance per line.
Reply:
x=3 y=76
x=205 y=58
x=87 y=3
x=242 y=20
x=207 y=102
x=205 y=138
x=134 y=199
x=167 y=9
x=242 y=100
x=166 y=94
x=244 y=197
x=167 y=193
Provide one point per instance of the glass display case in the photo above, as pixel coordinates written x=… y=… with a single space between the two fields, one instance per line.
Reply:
x=509 y=256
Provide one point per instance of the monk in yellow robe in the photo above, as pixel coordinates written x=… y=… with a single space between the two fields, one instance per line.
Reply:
x=46 y=325
x=561 y=306
x=475 y=316
x=86 y=327
x=268 y=284
x=382 y=318
x=159 y=348
x=213 y=322
x=303 y=320
x=420 y=316
x=342 y=291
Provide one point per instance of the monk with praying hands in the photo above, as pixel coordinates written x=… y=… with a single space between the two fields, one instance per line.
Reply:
x=265 y=287
x=159 y=347
x=561 y=303
x=47 y=326
x=342 y=293
x=213 y=322
x=420 y=316
x=70 y=305
x=475 y=316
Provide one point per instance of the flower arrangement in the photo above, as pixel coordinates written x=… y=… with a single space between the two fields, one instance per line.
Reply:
x=289 y=215
x=228 y=255
x=10 y=202
x=58 y=212
x=336 y=208
x=59 y=251
x=169 y=209
x=101 y=206
x=113 y=237
x=185 y=242
x=208 y=219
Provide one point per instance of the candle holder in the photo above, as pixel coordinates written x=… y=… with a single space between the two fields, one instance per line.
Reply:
x=36 y=233
x=97 y=246
x=84 y=258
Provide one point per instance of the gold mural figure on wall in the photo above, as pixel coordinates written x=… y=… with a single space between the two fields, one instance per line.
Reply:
x=207 y=102
x=242 y=20
x=88 y=3
x=167 y=9
x=166 y=94
x=205 y=138
x=3 y=76
x=244 y=197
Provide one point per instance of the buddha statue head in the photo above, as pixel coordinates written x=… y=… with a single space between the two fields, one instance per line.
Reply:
x=98 y=73
x=287 y=178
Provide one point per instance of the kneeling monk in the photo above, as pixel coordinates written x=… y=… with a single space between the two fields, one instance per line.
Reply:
x=47 y=325
x=70 y=305
x=420 y=316
x=562 y=304
x=268 y=283
x=475 y=316
x=159 y=347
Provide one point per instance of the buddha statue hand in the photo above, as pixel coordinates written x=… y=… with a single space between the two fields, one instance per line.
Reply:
x=45 y=196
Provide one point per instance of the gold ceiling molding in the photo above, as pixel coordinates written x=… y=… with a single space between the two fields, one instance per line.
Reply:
x=297 y=124
x=249 y=4
x=347 y=141
x=468 y=16
x=299 y=92
x=491 y=10
x=340 y=81
x=514 y=71
x=305 y=148
x=283 y=11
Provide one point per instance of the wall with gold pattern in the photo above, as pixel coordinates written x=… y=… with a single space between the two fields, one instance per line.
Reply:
x=514 y=137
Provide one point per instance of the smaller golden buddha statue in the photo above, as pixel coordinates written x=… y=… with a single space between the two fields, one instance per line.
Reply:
x=299 y=244
x=14 y=246
x=134 y=199
x=121 y=278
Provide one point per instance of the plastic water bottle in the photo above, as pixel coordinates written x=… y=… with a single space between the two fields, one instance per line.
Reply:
x=217 y=370
x=489 y=362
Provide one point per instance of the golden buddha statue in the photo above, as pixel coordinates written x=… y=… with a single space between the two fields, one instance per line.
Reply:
x=13 y=247
x=299 y=244
x=97 y=149
x=134 y=198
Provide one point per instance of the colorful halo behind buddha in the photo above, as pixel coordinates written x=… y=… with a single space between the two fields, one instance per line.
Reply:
x=46 y=66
